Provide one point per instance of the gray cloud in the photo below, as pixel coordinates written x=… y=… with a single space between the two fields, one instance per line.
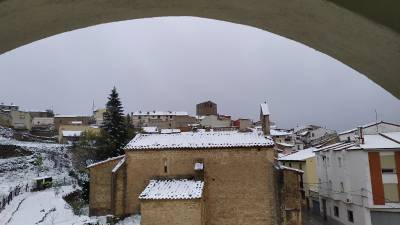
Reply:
x=173 y=63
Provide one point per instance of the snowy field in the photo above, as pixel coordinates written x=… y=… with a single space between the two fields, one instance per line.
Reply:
x=54 y=161
x=49 y=208
x=45 y=207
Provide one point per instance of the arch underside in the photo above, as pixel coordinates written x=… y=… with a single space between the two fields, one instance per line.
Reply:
x=371 y=48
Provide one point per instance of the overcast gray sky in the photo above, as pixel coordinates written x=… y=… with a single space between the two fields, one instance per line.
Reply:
x=175 y=62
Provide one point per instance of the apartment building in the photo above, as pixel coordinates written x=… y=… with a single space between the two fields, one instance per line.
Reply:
x=359 y=180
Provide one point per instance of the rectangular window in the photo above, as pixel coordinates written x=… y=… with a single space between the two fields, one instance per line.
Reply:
x=388 y=163
x=336 y=211
x=391 y=192
x=350 y=216
x=165 y=166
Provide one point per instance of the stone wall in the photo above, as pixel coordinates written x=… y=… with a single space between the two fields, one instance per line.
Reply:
x=239 y=183
x=100 y=188
x=291 y=198
x=177 y=212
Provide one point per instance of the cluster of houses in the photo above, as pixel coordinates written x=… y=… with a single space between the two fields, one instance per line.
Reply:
x=203 y=176
x=355 y=179
x=210 y=169
x=65 y=128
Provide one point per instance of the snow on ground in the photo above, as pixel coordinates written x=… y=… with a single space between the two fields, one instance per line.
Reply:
x=22 y=169
x=6 y=132
x=44 y=208
x=133 y=220
x=49 y=208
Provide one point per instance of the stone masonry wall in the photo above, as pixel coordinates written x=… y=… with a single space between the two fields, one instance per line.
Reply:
x=177 y=212
x=239 y=183
x=100 y=188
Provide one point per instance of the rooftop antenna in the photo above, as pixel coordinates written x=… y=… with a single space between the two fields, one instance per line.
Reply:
x=93 y=106
x=376 y=120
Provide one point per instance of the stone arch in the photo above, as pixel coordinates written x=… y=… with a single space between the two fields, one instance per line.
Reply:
x=372 y=48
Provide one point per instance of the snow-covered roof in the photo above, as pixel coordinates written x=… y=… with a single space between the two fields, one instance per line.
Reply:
x=71 y=133
x=119 y=164
x=68 y=116
x=275 y=132
x=368 y=125
x=173 y=189
x=300 y=155
x=336 y=146
x=390 y=140
x=150 y=129
x=378 y=141
x=285 y=144
x=264 y=109
x=107 y=160
x=170 y=131
x=196 y=140
x=395 y=136
x=159 y=113
x=304 y=133
x=291 y=169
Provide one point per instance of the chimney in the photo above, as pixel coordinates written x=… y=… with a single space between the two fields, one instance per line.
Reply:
x=360 y=135
x=264 y=118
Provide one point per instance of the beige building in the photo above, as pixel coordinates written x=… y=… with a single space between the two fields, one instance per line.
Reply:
x=42 y=121
x=5 y=119
x=215 y=121
x=72 y=133
x=21 y=120
x=71 y=120
x=99 y=116
x=163 y=120
x=237 y=171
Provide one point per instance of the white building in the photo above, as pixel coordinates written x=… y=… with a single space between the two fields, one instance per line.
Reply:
x=312 y=135
x=359 y=181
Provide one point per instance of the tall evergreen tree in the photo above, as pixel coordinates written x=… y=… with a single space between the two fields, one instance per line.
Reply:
x=129 y=126
x=114 y=126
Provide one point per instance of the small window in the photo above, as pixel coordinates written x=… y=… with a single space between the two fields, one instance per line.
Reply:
x=312 y=135
x=350 y=216
x=290 y=164
x=165 y=166
x=158 y=117
x=387 y=170
x=300 y=166
x=348 y=139
x=341 y=187
x=336 y=211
